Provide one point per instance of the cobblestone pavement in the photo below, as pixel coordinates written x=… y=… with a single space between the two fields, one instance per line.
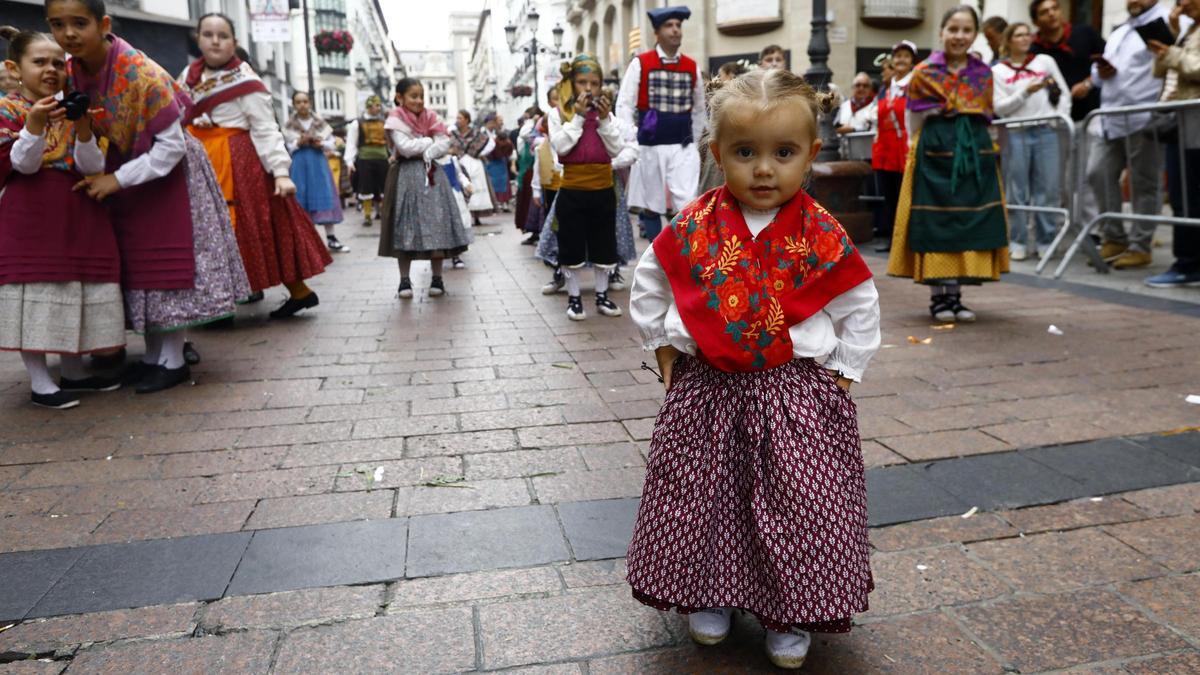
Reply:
x=371 y=408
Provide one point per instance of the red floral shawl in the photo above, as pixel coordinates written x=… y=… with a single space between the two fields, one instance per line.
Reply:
x=738 y=295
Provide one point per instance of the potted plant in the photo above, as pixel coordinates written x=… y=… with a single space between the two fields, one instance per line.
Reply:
x=333 y=42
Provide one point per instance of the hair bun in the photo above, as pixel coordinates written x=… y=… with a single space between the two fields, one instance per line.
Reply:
x=9 y=32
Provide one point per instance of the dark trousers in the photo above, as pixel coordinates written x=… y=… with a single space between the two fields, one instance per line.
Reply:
x=587 y=227
x=889 y=185
x=1186 y=240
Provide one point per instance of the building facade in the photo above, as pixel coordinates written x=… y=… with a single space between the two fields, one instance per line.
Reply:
x=436 y=71
x=341 y=82
x=735 y=30
x=510 y=79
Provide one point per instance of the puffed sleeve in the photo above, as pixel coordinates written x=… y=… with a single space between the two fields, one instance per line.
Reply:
x=27 y=151
x=168 y=149
x=351 y=143
x=855 y=316
x=89 y=159
x=265 y=134
x=563 y=137
x=628 y=93
x=699 y=108
x=650 y=300
x=404 y=142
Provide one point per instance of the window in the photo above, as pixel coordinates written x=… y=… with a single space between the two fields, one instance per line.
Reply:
x=330 y=102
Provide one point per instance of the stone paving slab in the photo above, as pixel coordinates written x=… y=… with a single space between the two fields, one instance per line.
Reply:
x=116 y=576
x=29 y=576
x=45 y=636
x=321 y=555
x=599 y=529
x=480 y=540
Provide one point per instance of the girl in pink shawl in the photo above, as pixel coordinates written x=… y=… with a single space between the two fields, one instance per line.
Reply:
x=421 y=218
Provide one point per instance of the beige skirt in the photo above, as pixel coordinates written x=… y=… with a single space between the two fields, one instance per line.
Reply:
x=61 y=318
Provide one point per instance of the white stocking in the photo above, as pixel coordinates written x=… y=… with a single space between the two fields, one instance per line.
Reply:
x=601 y=280
x=572 y=281
x=39 y=375
x=171 y=355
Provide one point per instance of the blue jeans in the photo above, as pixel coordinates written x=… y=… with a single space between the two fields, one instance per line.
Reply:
x=651 y=223
x=1032 y=166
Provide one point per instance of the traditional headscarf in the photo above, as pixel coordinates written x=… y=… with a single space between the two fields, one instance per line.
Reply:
x=583 y=63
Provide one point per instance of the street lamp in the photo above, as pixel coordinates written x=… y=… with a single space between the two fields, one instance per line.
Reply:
x=377 y=80
x=819 y=76
x=531 y=51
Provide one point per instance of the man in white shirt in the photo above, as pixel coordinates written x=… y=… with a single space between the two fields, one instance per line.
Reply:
x=662 y=95
x=1125 y=77
x=857 y=113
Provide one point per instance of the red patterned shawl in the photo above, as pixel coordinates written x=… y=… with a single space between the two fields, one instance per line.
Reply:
x=738 y=295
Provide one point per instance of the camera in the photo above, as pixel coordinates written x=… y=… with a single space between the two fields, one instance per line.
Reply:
x=1052 y=91
x=76 y=104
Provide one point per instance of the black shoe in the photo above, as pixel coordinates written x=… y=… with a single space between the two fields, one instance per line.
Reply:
x=457 y=263
x=136 y=372
x=93 y=383
x=436 y=287
x=532 y=240
x=256 y=296
x=335 y=245
x=605 y=306
x=405 y=290
x=190 y=355
x=292 y=305
x=575 y=308
x=109 y=361
x=616 y=282
x=163 y=378
x=941 y=308
x=59 y=400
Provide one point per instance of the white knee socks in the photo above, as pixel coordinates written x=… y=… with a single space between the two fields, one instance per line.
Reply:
x=39 y=375
x=171 y=355
x=572 y=281
x=601 y=280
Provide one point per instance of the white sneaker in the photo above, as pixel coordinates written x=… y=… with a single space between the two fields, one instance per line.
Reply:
x=788 y=650
x=1017 y=251
x=556 y=285
x=616 y=282
x=710 y=626
x=605 y=306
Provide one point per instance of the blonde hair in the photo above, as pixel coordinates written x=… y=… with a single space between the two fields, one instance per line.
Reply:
x=1007 y=36
x=767 y=89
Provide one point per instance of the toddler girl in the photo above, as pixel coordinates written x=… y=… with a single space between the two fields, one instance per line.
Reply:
x=761 y=313
x=59 y=269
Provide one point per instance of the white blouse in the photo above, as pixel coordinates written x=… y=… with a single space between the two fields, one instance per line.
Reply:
x=563 y=137
x=167 y=151
x=845 y=334
x=408 y=144
x=27 y=152
x=293 y=139
x=254 y=113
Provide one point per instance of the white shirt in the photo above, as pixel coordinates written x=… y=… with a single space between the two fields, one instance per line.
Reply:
x=1134 y=83
x=863 y=120
x=167 y=151
x=256 y=114
x=845 y=333
x=1010 y=95
x=28 y=149
x=408 y=144
x=293 y=139
x=563 y=137
x=627 y=95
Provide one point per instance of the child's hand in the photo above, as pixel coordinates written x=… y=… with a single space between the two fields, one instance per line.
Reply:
x=41 y=114
x=844 y=382
x=666 y=357
x=100 y=186
x=603 y=107
x=284 y=186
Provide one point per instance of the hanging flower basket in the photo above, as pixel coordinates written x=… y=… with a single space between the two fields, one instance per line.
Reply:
x=333 y=42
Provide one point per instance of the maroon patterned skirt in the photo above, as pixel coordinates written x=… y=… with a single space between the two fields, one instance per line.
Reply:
x=755 y=498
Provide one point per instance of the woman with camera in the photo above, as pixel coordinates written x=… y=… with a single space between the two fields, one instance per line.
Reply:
x=1029 y=85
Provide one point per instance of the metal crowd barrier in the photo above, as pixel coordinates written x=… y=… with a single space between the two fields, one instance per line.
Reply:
x=1082 y=241
x=1070 y=171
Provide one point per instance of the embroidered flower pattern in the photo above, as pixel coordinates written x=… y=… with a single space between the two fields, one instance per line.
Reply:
x=746 y=283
